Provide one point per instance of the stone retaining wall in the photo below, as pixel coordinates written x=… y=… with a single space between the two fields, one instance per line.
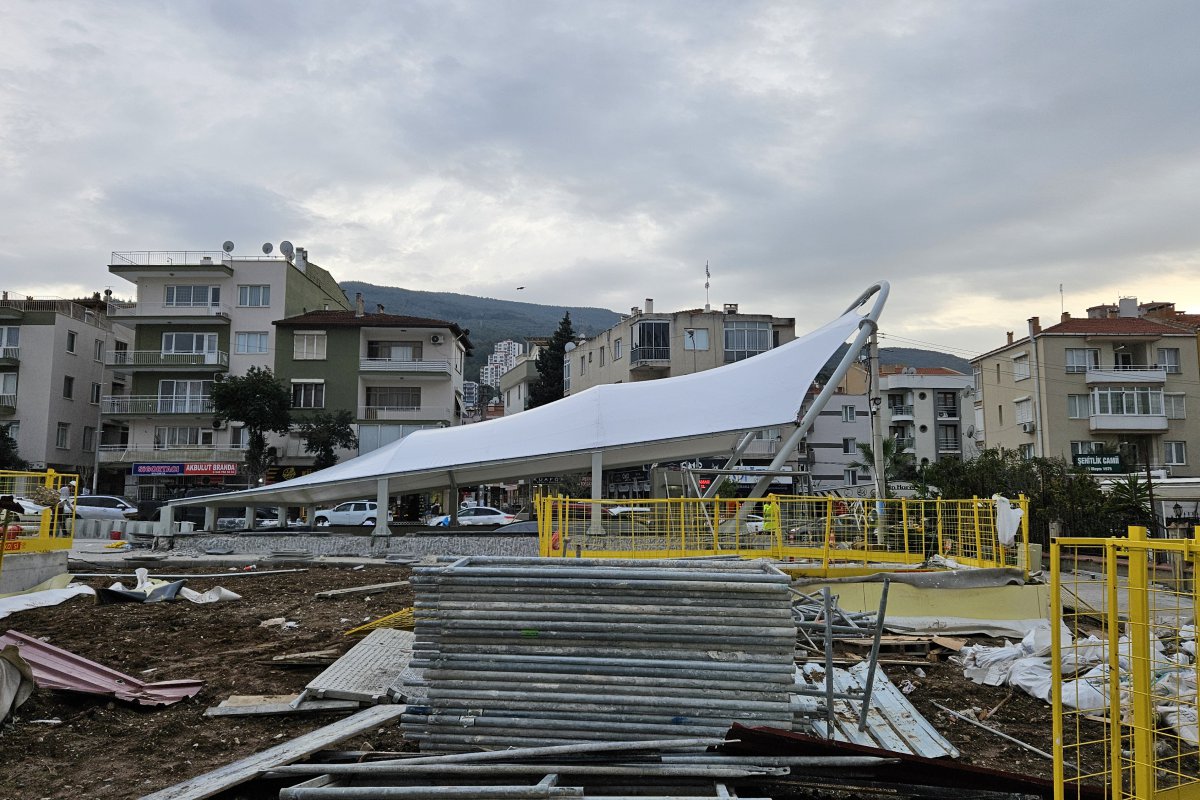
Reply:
x=352 y=544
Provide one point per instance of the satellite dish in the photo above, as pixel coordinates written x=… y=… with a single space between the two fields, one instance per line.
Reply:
x=228 y=246
x=287 y=249
x=970 y=431
x=267 y=248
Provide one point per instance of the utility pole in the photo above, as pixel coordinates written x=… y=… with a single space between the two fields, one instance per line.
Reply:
x=876 y=401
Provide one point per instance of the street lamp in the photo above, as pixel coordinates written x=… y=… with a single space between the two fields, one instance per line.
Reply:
x=1178 y=509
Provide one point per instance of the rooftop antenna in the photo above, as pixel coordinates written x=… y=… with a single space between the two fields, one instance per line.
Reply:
x=267 y=248
x=1062 y=304
x=707 y=276
x=287 y=249
x=228 y=246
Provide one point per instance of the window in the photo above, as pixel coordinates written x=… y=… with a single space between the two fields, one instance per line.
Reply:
x=1079 y=406
x=98 y=350
x=13 y=428
x=71 y=338
x=695 y=338
x=10 y=339
x=190 y=344
x=8 y=388
x=62 y=437
x=311 y=346
x=184 y=397
x=1024 y=411
x=746 y=339
x=1169 y=357
x=602 y=356
x=1081 y=359
x=848 y=413
x=89 y=439
x=848 y=445
x=582 y=366
x=238 y=439
x=1175 y=453
x=850 y=477
x=94 y=397
x=1175 y=406
x=652 y=341
x=1128 y=400
x=566 y=376
x=977 y=376
x=401 y=398
x=250 y=342
x=257 y=296
x=391 y=351
x=308 y=394
x=68 y=387
x=1086 y=448
x=1020 y=367
x=1026 y=451
x=192 y=296
x=616 y=349
x=167 y=437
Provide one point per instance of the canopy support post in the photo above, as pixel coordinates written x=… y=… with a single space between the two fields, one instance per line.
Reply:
x=452 y=500
x=597 y=478
x=381 y=509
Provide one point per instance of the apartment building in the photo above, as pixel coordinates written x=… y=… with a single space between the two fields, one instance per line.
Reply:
x=647 y=345
x=1118 y=381
x=519 y=379
x=503 y=357
x=197 y=315
x=52 y=378
x=396 y=373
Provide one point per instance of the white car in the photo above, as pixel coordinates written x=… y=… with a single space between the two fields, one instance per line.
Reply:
x=354 y=512
x=101 y=506
x=476 y=515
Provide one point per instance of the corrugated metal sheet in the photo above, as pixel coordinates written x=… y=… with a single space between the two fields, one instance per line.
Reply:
x=55 y=668
x=893 y=723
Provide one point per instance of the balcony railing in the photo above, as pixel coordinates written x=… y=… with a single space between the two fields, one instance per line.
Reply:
x=403 y=365
x=125 y=310
x=10 y=353
x=166 y=258
x=155 y=404
x=947 y=413
x=58 y=306
x=905 y=442
x=1127 y=422
x=900 y=411
x=1126 y=374
x=9 y=400
x=156 y=359
x=948 y=445
x=404 y=413
x=650 y=354
x=114 y=453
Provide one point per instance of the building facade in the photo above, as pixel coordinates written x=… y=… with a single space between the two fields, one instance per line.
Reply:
x=52 y=379
x=197 y=315
x=396 y=374
x=502 y=358
x=1119 y=381
x=516 y=383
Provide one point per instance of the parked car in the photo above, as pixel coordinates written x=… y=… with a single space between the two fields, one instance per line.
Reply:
x=101 y=506
x=354 y=512
x=519 y=527
x=476 y=515
x=263 y=518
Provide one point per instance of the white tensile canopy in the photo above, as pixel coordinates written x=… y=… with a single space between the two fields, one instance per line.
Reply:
x=627 y=424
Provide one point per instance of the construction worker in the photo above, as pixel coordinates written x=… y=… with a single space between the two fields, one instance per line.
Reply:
x=771 y=516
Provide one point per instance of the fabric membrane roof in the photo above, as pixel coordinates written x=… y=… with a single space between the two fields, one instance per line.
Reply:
x=688 y=416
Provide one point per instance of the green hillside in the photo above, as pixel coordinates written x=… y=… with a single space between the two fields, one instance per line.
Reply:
x=489 y=320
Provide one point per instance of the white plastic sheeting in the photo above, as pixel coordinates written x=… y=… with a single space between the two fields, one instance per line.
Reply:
x=1008 y=520
x=629 y=423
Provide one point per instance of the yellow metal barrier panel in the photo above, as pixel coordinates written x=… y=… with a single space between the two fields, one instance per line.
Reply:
x=40 y=525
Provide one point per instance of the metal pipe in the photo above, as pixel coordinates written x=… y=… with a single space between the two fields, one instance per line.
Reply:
x=426 y=792
x=829 y=711
x=376 y=768
x=873 y=660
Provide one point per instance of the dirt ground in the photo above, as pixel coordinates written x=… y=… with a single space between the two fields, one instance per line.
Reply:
x=103 y=748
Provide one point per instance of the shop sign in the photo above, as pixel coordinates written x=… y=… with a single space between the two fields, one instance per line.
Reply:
x=187 y=468
x=1099 y=463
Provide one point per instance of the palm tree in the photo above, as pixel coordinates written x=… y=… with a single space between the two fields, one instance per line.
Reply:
x=1129 y=502
x=897 y=464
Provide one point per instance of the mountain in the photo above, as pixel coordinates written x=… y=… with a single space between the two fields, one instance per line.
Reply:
x=489 y=320
x=906 y=357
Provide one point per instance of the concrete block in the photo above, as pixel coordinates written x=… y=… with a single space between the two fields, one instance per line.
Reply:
x=21 y=571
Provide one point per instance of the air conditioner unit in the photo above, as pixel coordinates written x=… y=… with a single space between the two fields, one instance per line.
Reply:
x=1028 y=427
x=436 y=338
x=218 y=424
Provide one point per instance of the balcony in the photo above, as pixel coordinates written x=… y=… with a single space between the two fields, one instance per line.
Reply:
x=10 y=356
x=179 y=263
x=947 y=413
x=144 y=313
x=947 y=445
x=8 y=405
x=404 y=366
x=1127 y=423
x=149 y=405
x=129 y=453
x=901 y=412
x=762 y=447
x=155 y=359
x=405 y=413
x=1119 y=373
x=905 y=443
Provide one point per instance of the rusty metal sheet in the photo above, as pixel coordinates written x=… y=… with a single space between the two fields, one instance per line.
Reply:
x=55 y=668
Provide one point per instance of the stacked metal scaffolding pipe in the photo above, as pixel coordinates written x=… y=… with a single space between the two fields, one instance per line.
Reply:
x=530 y=652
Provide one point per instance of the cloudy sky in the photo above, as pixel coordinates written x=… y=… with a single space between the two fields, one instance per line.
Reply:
x=976 y=155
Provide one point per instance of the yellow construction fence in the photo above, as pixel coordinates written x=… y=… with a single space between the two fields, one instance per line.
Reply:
x=823 y=535
x=39 y=531
x=1125 y=707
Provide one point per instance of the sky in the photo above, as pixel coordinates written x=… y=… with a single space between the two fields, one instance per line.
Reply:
x=991 y=160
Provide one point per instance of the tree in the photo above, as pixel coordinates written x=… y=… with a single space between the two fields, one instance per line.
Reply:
x=1128 y=500
x=9 y=457
x=323 y=433
x=897 y=464
x=262 y=403
x=549 y=385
